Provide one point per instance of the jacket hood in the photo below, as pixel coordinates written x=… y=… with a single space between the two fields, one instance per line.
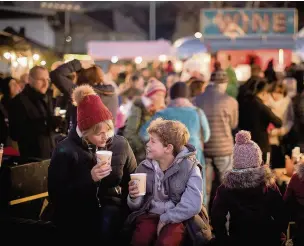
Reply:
x=180 y=102
x=249 y=178
x=104 y=89
x=300 y=170
x=188 y=152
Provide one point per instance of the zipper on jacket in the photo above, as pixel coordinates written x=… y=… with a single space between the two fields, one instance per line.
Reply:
x=97 y=191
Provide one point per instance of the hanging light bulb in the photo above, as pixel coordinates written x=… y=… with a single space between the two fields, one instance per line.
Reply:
x=114 y=59
x=198 y=35
x=7 y=55
x=36 y=57
x=138 y=60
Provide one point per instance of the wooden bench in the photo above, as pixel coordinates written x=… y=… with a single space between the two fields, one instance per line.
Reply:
x=24 y=187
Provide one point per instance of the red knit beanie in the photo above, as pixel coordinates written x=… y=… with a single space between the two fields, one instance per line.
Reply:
x=90 y=108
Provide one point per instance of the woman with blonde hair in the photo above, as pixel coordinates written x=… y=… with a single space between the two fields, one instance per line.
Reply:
x=89 y=198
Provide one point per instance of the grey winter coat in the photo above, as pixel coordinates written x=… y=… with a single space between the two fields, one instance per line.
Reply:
x=182 y=182
x=223 y=116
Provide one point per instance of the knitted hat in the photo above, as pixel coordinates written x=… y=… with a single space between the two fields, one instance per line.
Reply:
x=90 y=109
x=246 y=154
x=219 y=77
x=179 y=90
x=153 y=87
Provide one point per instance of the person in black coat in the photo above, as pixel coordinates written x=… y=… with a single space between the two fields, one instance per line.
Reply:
x=255 y=116
x=270 y=74
x=86 y=73
x=251 y=197
x=89 y=198
x=248 y=87
x=6 y=92
x=3 y=125
x=31 y=119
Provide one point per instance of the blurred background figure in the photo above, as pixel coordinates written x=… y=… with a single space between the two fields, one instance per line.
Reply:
x=270 y=74
x=31 y=117
x=196 y=87
x=141 y=111
x=255 y=116
x=24 y=79
x=87 y=73
x=232 y=88
x=281 y=105
x=133 y=88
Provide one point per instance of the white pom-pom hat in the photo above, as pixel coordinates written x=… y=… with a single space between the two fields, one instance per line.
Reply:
x=246 y=153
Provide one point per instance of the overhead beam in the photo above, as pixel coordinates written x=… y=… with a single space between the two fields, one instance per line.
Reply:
x=95 y=6
x=33 y=11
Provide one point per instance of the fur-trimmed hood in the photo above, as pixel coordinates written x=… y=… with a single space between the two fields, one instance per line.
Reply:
x=300 y=170
x=249 y=178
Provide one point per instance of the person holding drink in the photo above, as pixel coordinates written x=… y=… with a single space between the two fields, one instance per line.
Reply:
x=166 y=189
x=89 y=174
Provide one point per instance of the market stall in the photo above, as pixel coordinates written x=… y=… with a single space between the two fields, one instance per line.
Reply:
x=19 y=53
x=129 y=50
x=244 y=33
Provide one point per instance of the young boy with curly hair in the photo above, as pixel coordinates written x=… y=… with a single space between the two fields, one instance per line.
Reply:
x=173 y=189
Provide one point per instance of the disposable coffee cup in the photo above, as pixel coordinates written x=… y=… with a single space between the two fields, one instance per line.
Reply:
x=141 y=179
x=104 y=156
x=296 y=151
x=296 y=154
x=57 y=111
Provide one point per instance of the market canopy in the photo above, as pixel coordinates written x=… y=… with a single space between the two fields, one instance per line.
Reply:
x=148 y=50
x=251 y=43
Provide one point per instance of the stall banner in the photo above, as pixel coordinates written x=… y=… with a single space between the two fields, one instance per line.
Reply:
x=248 y=22
x=262 y=57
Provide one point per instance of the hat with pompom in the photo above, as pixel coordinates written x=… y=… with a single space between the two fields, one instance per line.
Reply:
x=154 y=86
x=246 y=154
x=90 y=108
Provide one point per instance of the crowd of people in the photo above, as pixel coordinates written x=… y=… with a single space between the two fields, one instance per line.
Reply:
x=202 y=143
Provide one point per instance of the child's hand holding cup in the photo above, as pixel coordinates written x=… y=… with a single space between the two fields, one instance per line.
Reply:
x=137 y=185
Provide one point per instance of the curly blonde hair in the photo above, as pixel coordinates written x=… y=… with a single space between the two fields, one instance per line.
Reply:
x=170 y=132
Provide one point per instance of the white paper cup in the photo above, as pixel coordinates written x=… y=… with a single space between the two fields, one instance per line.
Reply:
x=104 y=156
x=141 y=178
x=296 y=154
x=57 y=111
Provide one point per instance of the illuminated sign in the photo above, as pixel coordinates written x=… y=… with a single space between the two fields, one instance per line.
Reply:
x=70 y=57
x=248 y=22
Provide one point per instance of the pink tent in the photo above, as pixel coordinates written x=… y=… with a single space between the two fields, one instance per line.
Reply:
x=148 y=50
